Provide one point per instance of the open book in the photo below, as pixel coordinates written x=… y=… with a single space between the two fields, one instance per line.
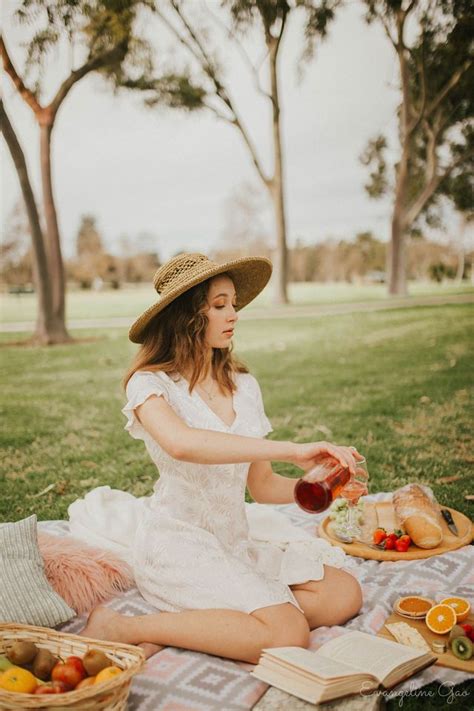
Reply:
x=353 y=663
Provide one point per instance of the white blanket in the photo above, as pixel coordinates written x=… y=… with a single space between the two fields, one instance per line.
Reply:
x=108 y=518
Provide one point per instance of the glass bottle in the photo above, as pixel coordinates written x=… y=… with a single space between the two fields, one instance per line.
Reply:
x=318 y=488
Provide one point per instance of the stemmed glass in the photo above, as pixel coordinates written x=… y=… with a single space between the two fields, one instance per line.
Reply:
x=353 y=490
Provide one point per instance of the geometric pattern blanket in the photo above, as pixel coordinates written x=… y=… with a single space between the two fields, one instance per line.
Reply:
x=180 y=680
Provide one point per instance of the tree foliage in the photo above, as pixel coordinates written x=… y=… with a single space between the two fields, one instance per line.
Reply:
x=437 y=105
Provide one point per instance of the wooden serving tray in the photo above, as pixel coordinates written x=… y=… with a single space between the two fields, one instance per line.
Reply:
x=382 y=513
x=444 y=660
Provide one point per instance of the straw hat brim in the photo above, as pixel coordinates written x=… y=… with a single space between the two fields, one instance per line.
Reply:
x=249 y=274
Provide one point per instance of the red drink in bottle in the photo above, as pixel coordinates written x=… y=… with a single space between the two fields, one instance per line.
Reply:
x=318 y=488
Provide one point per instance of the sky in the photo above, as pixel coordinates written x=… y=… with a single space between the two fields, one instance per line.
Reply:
x=167 y=177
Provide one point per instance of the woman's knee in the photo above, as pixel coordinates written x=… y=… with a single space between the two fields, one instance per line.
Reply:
x=352 y=595
x=286 y=627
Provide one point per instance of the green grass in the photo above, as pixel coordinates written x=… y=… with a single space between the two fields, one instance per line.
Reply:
x=130 y=301
x=396 y=384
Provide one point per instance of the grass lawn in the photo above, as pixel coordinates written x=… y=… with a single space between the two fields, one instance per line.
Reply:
x=397 y=384
x=131 y=300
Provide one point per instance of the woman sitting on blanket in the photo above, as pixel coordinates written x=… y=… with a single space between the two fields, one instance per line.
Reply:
x=200 y=414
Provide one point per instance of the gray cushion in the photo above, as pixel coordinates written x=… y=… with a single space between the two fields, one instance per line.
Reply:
x=26 y=597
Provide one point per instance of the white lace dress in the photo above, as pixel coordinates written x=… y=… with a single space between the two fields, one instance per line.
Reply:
x=192 y=548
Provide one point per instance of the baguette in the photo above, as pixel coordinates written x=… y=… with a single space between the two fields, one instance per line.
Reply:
x=418 y=512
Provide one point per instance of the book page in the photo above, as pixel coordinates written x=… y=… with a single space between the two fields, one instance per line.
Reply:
x=369 y=654
x=312 y=662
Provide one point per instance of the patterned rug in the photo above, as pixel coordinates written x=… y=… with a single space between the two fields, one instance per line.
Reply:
x=178 y=680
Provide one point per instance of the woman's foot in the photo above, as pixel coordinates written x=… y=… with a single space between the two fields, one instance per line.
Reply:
x=104 y=623
x=149 y=648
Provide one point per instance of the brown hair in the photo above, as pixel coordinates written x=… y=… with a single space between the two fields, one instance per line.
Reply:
x=174 y=341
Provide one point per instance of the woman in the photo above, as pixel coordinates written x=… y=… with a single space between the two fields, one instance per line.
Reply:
x=201 y=416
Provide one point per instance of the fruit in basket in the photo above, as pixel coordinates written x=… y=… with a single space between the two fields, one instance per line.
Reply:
x=440 y=619
x=88 y=681
x=43 y=664
x=19 y=680
x=22 y=652
x=94 y=661
x=4 y=663
x=107 y=674
x=67 y=673
x=78 y=664
x=461 y=647
x=55 y=687
x=460 y=605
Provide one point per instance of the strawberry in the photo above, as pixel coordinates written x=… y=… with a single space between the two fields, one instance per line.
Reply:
x=401 y=546
x=380 y=534
x=406 y=539
x=469 y=630
x=389 y=544
x=393 y=537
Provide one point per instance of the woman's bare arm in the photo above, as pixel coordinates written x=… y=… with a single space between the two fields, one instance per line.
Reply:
x=268 y=487
x=202 y=446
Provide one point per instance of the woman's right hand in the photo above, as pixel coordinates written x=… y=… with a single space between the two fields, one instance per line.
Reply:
x=308 y=454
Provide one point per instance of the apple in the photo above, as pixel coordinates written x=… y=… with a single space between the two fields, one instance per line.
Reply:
x=67 y=673
x=56 y=687
x=77 y=663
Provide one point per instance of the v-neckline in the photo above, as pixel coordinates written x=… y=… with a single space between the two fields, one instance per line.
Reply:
x=218 y=417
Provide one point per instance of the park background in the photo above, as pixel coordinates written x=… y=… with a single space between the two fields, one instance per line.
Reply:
x=342 y=350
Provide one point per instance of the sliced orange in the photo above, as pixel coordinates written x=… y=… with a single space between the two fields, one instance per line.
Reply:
x=440 y=618
x=460 y=605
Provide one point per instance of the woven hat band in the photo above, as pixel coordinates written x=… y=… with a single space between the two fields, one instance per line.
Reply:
x=180 y=270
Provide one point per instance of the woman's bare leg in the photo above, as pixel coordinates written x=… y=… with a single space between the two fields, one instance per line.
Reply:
x=225 y=633
x=330 y=601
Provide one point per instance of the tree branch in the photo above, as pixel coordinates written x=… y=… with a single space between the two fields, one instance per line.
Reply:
x=25 y=93
x=91 y=65
x=413 y=126
x=432 y=186
x=231 y=35
x=207 y=66
x=455 y=79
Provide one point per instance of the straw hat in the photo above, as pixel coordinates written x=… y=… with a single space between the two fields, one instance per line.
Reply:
x=249 y=274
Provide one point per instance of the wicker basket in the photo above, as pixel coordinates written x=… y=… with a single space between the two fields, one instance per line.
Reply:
x=109 y=696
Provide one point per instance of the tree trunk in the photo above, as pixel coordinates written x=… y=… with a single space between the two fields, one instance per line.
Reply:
x=460 y=269
x=396 y=254
x=55 y=261
x=277 y=186
x=45 y=322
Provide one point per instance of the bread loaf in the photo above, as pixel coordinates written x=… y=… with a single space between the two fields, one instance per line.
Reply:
x=418 y=512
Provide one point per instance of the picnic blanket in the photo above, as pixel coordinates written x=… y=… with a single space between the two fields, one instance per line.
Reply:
x=189 y=681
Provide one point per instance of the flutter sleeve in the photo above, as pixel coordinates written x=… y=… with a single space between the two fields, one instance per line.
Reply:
x=263 y=423
x=140 y=387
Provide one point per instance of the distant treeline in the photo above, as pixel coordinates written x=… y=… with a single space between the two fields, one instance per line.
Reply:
x=363 y=259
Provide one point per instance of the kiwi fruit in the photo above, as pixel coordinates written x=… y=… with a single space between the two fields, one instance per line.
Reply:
x=457 y=631
x=4 y=663
x=22 y=652
x=461 y=647
x=94 y=661
x=43 y=664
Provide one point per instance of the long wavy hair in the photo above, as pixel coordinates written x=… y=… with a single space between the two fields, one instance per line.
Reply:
x=174 y=342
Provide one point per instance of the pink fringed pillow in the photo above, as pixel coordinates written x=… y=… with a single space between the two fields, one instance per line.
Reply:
x=83 y=576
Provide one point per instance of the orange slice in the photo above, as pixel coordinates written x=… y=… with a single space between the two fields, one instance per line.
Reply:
x=460 y=605
x=413 y=605
x=440 y=619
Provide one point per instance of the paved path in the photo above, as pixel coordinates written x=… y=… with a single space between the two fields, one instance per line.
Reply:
x=290 y=311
